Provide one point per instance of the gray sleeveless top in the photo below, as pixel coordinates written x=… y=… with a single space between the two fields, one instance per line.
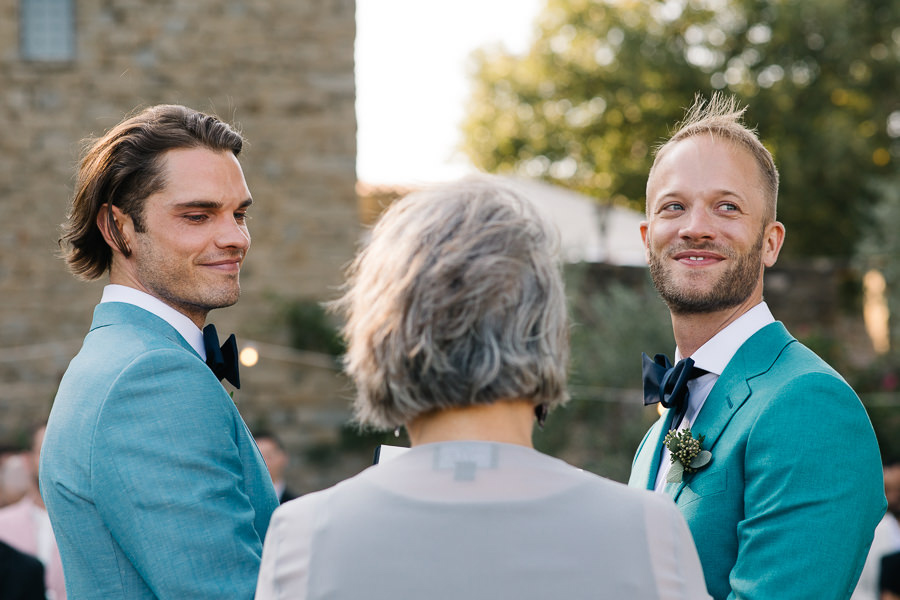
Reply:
x=471 y=520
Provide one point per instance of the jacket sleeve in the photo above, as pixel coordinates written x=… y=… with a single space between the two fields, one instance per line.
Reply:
x=813 y=494
x=167 y=478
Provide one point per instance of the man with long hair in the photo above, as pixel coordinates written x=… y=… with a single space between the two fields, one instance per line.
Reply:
x=153 y=483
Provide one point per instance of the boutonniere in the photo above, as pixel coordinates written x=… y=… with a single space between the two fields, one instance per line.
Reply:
x=688 y=455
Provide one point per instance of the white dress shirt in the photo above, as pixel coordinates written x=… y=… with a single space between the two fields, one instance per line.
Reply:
x=187 y=328
x=714 y=356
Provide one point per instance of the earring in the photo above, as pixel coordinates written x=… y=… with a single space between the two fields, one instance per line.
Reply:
x=397 y=431
x=540 y=412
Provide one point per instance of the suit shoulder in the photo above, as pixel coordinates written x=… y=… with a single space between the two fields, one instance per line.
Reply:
x=802 y=397
x=108 y=361
x=799 y=355
x=169 y=376
x=130 y=339
x=798 y=368
x=147 y=383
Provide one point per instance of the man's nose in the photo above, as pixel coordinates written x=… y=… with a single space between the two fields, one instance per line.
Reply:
x=232 y=234
x=697 y=224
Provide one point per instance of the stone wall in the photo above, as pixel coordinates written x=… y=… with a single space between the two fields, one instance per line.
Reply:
x=283 y=72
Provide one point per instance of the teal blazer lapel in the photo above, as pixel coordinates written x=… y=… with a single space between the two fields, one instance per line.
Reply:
x=646 y=462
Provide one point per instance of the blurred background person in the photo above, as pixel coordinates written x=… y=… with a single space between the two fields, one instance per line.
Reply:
x=892 y=487
x=276 y=458
x=887 y=536
x=890 y=577
x=14 y=474
x=457 y=330
x=21 y=575
x=25 y=524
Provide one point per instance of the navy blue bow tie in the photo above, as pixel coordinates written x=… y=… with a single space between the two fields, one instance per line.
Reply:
x=667 y=385
x=222 y=360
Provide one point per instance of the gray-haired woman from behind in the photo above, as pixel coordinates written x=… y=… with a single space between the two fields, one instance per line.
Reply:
x=457 y=330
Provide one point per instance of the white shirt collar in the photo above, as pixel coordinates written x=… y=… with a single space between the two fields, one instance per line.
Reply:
x=129 y=295
x=717 y=352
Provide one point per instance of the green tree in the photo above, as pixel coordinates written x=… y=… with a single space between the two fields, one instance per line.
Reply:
x=605 y=81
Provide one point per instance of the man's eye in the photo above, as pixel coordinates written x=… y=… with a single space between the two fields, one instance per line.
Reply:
x=241 y=217
x=195 y=218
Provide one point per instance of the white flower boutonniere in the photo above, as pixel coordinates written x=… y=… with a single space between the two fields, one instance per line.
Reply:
x=688 y=455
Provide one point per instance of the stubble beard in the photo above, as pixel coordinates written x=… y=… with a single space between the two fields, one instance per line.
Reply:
x=731 y=289
x=180 y=286
x=202 y=300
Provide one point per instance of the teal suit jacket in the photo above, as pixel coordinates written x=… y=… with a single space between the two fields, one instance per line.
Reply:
x=154 y=485
x=789 y=503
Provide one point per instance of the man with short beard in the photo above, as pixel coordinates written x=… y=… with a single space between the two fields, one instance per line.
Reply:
x=765 y=449
x=154 y=486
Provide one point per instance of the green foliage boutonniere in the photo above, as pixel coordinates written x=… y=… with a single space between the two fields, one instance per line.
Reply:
x=688 y=455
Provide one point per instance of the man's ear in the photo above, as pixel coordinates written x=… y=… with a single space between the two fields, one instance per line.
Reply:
x=645 y=239
x=773 y=238
x=113 y=225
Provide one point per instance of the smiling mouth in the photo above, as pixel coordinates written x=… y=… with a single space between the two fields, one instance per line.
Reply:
x=697 y=251
x=228 y=265
x=226 y=261
x=697 y=259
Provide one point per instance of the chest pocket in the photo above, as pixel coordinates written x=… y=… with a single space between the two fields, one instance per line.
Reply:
x=703 y=485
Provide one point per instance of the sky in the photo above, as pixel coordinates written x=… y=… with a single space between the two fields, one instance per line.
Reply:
x=412 y=83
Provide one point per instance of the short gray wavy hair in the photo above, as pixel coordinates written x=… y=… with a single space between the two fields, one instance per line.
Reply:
x=456 y=300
